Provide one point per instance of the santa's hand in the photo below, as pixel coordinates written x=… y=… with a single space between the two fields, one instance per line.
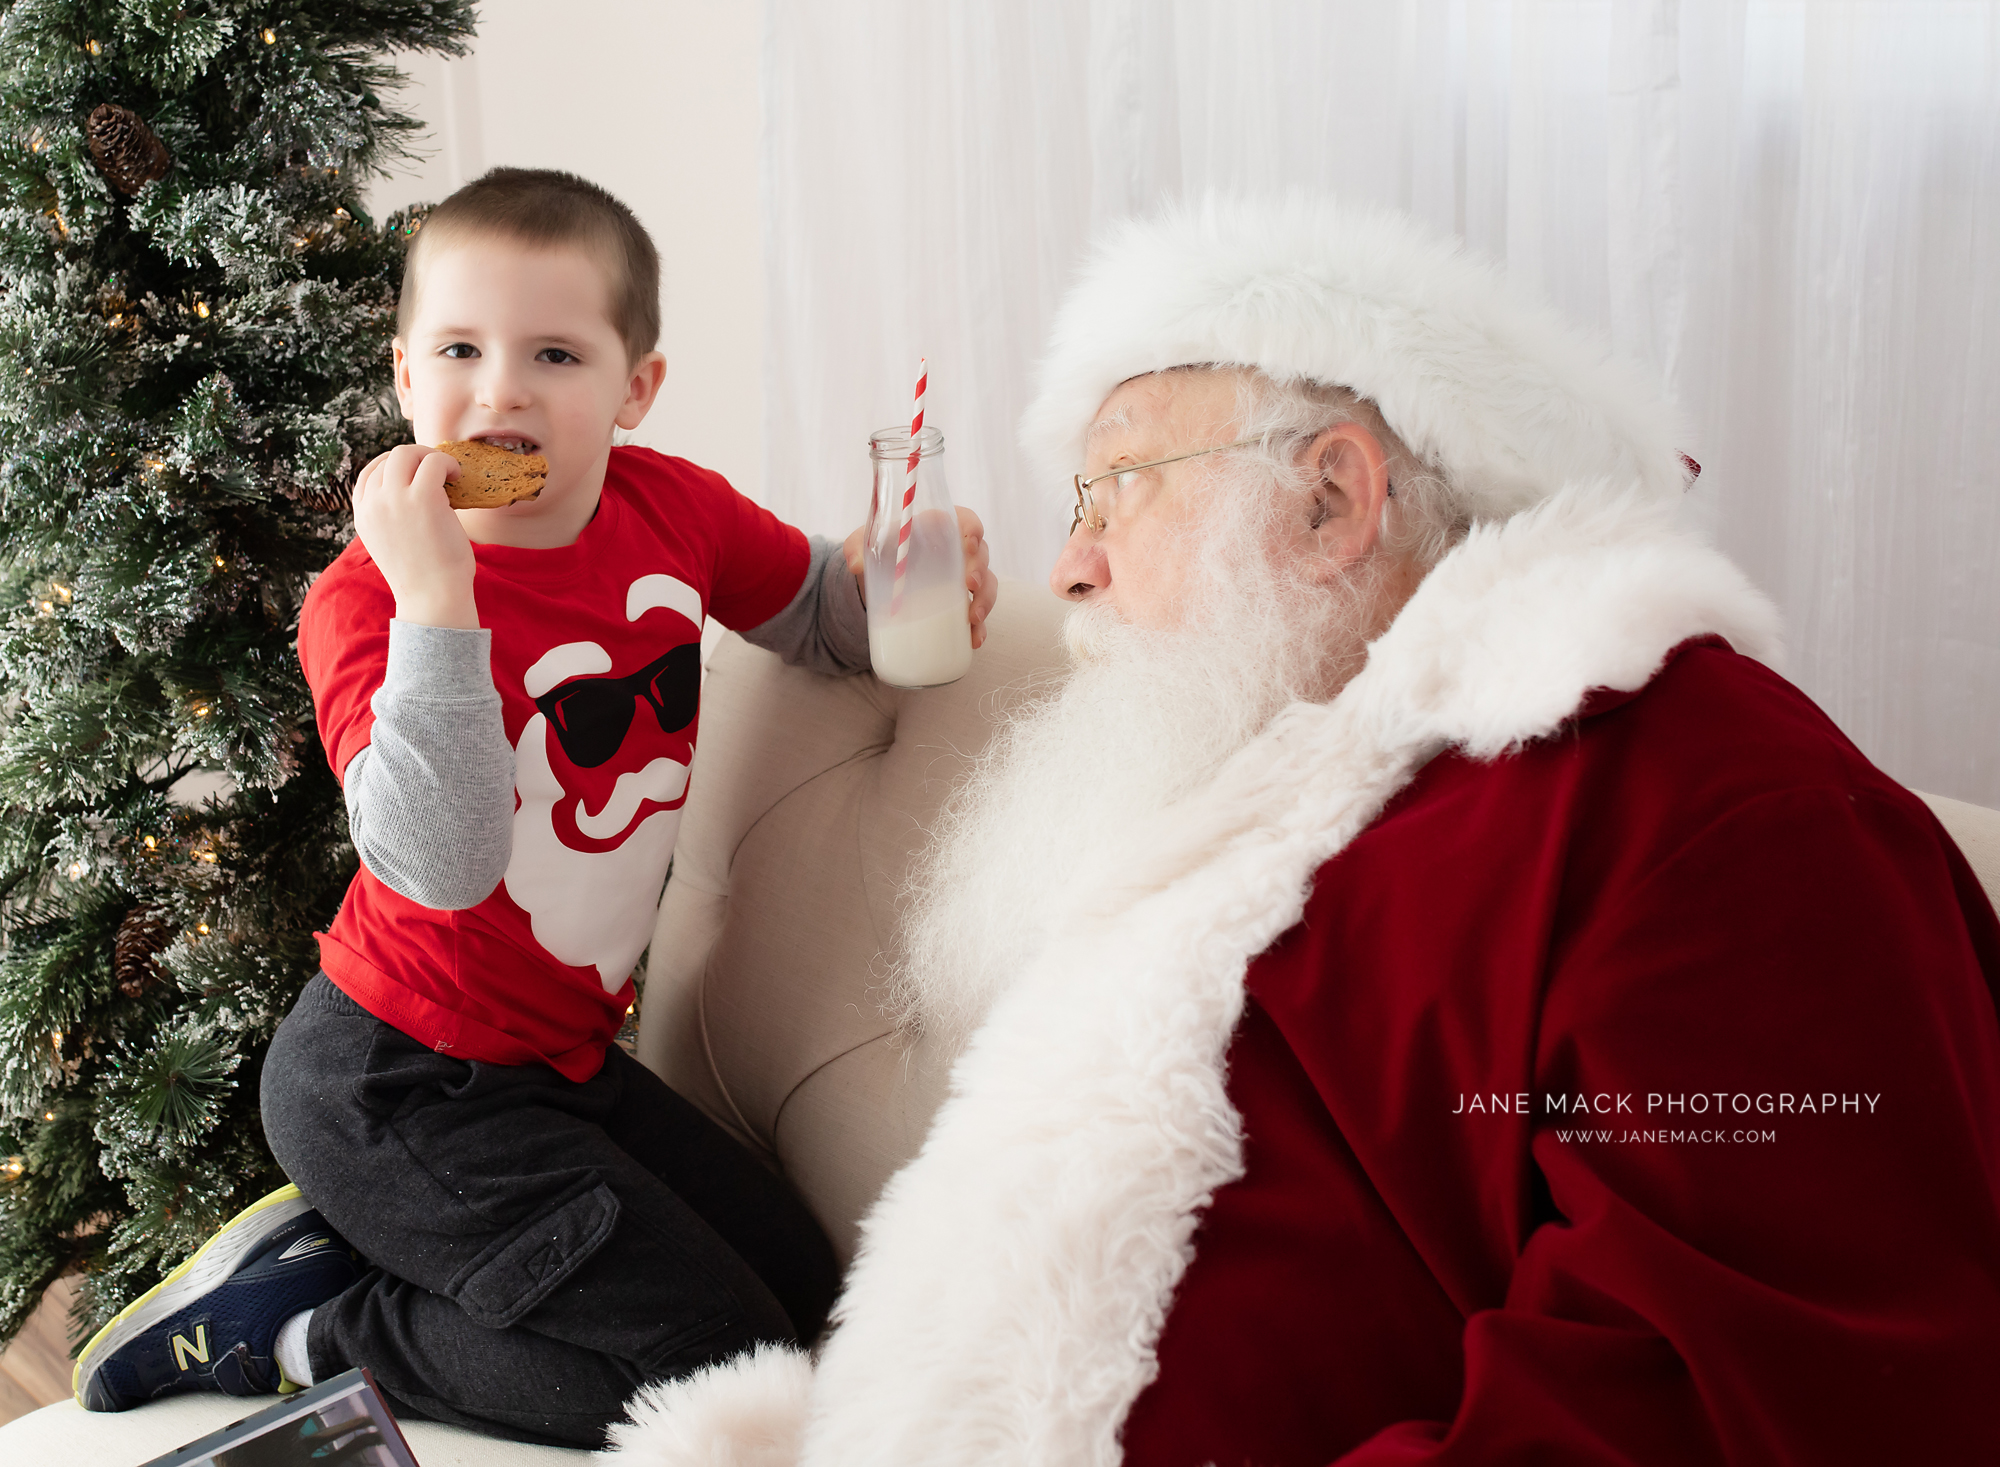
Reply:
x=408 y=526
x=980 y=582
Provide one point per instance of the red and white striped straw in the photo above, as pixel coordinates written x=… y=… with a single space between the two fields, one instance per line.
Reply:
x=909 y=488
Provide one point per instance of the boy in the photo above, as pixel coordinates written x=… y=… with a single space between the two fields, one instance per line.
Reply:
x=509 y=697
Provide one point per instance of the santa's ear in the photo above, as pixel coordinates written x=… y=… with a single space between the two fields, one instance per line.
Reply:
x=1351 y=492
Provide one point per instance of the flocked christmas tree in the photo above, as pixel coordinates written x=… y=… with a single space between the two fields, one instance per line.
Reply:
x=196 y=313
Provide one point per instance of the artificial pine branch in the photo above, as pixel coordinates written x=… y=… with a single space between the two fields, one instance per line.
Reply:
x=195 y=311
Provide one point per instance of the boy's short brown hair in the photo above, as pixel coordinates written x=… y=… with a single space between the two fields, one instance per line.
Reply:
x=546 y=208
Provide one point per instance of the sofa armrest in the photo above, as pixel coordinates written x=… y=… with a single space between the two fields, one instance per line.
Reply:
x=808 y=798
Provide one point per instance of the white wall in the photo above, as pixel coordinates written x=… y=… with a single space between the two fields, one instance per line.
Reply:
x=659 y=103
x=1788 y=210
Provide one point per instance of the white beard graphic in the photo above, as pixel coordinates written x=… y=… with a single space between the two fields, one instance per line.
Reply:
x=594 y=908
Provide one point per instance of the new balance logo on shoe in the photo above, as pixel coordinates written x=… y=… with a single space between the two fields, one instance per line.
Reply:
x=311 y=1243
x=198 y=1349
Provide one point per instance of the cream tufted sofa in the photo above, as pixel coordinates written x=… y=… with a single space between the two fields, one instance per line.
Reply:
x=809 y=797
x=814 y=795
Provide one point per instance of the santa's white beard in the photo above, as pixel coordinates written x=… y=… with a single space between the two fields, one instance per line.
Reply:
x=1049 y=812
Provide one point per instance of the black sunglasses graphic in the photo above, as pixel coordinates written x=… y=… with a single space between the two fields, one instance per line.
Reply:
x=591 y=715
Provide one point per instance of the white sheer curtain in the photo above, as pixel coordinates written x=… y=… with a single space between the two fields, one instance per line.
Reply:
x=1791 y=209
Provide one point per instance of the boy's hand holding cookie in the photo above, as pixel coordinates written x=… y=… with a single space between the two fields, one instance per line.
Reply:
x=404 y=518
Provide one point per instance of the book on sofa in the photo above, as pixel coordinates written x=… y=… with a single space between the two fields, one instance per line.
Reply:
x=343 y=1420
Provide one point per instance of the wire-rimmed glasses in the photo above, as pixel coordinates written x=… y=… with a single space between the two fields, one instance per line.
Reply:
x=1087 y=512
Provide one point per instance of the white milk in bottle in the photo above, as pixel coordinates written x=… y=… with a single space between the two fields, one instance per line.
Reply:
x=918 y=631
x=928 y=642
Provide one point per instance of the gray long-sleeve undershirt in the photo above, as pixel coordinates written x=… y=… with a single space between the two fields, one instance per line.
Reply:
x=430 y=800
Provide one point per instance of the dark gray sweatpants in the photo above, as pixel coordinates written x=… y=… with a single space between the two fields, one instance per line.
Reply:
x=538 y=1248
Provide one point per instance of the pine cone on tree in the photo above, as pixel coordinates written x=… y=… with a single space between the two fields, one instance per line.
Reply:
x=327 y=498
x=331 y=495
x=142 y=936
x=127 y=151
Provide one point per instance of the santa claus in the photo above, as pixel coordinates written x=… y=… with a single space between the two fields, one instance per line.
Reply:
x=1426 y=990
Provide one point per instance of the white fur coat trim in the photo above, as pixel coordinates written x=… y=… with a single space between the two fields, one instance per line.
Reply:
x=747 y=1413
x=1013 y=1278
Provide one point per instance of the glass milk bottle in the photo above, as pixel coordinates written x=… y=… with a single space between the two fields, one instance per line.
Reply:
x=918 y=635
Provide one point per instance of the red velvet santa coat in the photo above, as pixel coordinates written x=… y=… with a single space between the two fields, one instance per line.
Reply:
x=1199 y=1193
x=1669 y=1138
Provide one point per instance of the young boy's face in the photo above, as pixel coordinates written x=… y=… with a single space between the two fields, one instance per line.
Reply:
x=515 y=346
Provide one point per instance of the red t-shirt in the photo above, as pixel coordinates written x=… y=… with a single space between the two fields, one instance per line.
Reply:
x=583 y=636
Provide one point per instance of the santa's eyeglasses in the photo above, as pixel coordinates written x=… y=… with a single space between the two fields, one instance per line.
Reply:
x=592 y=715
x=1093 y=509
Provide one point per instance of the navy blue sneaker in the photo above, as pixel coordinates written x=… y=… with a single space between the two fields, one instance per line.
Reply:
x=209 y=1325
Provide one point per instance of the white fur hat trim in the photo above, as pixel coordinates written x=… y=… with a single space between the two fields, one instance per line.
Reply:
x=1498 y=392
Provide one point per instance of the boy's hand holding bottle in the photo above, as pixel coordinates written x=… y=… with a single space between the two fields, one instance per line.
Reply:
x=980 y=582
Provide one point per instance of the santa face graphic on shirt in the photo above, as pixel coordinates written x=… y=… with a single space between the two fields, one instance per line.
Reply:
x=596 y=769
